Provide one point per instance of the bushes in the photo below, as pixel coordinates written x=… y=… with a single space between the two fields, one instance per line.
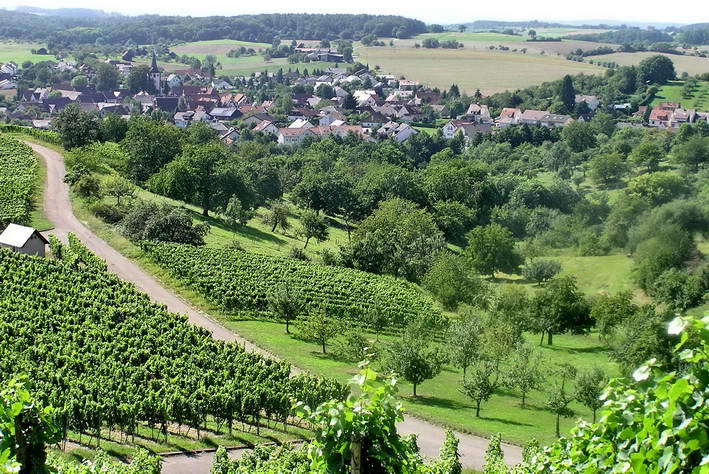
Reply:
x=108 y=212
x=164 y=223
x=671 y=247
x=541 y=270
x=450 y=280
x=678 y=289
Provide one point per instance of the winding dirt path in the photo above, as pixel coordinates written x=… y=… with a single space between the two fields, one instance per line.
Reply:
x=58 y=210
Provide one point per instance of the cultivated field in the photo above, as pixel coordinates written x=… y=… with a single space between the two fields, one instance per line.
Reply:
x=490 y=71
x=688 y=64
x=246 y=65
x=21 y=52
x=673 y=93
x=217 y=47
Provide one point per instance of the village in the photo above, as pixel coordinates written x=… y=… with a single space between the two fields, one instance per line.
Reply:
x=336 y=101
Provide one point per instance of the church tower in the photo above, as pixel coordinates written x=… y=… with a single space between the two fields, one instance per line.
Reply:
x=155 y=74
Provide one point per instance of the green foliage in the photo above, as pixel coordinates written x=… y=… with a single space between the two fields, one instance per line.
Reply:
x=641 y=337
x=237 y=280
x=277 y=216
x=26 y=427
x=693 y=154
x=567 y=93
x=352 y=346
x=76 y=127
x=452 y=282
x=463 y=341
x=656 y=188
x=559 y=398
x=285 y=304
x=141 y=463
x=177 y=372
x=657 y=69
x=261 y=460
x=400 y=239
x=491 y=249
x=648 y=155
x=678 y=289
x=589 y=388
x=313 y=226
x=319 y=327
x=611 y=311
x=607 y=168
x=659 y=418
x=88 y=186
x=560 y=307
x=481 y=382
x=235 y=213
x=150 y=146
x=525 y=371
x=364 y=423
x=579 y=136
x=540 y=270
x=414 y=359
x=150 y=221
x=670 y=247
x=119 y=187
x=18 y=169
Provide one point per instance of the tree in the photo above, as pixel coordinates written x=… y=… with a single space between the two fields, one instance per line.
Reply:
x=313 y=226
x=656 y=188
x=579 y=136
x=320 y=328
x=413 y=359
x=139 y=80
x=480 y=385
x=197 y=175
x=463 y=341
x=603 y=123
x=452 y=282
x=285 y=304
x=611 y=311
x=560 y=307
x=541 y=271
x=492 y=249
x=532 y=34
x=236 y=213
x=113 y=128
x=277 y=216
x=657 y=69
x=349 y=103
x=462 y=28
x=150 y=146
x=164 y=223
x=107 y=77
x=678 y=289
x=399 y=238
x=77 y=128
x=200 y=133
x=567 y=93
x=118 y=187
x=693 y=154
x=525 y=371
x=79 y=82
x=559 y=398
x=589 y=387
x=607 y=168
x=648 y=155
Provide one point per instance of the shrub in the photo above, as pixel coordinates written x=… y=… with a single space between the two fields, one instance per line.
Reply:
x=351 y=346
x=541 y=270
x=108 y=212
x=678 y=289
x=452 y=282
x=298 y=254
x=88 y=186
x=164 y=223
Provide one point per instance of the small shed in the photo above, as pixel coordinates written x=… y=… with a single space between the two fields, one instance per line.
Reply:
x=23 y=240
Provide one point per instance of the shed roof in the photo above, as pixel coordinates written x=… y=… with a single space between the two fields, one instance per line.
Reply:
x=18 y=235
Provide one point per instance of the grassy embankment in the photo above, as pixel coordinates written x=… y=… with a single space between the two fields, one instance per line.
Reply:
x=672 y=92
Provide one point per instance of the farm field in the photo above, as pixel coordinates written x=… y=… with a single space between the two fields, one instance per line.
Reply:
x=220 y=46
x=689 y=64
x=673 y=93
x=490 y=71
x=21 y=52
x=245 y=65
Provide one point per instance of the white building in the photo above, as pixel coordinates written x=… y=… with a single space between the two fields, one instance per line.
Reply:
x=23 y=240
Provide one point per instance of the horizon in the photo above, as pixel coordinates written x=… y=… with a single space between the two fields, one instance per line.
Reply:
x=550 y=11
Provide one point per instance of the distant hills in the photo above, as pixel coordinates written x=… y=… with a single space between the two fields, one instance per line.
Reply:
x=66 y=12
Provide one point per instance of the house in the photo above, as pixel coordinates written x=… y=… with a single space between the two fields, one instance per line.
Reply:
x=331 y=117
x=532 y=117
x=591 y=100
x=555 y=120
x=453 y=127
x=167 y=104
x=267 y=127
x=374 y=120
x=479 y=113
x=293 y=136
x=408 y=85
x=301 y=113
x=257 y=118
x=471 y=130
x=231 y=136
x=7 y=84
x=300 y=123
x=44 y=124
x=442 y=110
x=508 y=116
x=659 y=117
x=681 y=116
x=23 y=240
x=225 y=113
x=399 y=132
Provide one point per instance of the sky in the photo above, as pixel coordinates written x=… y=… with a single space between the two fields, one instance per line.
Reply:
x=455 y=11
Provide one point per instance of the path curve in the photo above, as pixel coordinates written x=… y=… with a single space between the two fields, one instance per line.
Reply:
x=58 y=210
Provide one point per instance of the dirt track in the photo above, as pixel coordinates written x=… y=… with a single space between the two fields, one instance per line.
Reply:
x=58 y=210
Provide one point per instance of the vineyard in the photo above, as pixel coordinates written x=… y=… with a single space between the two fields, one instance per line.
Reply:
x=104 y=355
x=236 y=280
x=18 y=168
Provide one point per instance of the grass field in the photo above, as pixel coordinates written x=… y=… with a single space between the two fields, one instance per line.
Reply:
x=21 y=52
x=672 y=92
x=689 y=64
x=220 y=46
x=471 y=36
x=490 y=71
x=246 y=65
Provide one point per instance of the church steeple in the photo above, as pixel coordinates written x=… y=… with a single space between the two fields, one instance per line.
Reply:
x=154 y=64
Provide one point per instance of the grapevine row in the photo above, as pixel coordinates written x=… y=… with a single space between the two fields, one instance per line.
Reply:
x=18 y=169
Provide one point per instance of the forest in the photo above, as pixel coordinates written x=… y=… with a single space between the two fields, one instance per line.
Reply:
x=63 y=32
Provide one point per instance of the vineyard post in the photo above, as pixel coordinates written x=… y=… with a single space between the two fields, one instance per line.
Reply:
x=356 y=451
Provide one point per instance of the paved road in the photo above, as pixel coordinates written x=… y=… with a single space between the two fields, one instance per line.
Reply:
x=58 y=210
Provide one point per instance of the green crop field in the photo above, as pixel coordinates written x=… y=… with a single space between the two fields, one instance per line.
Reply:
x=471 y=36
x=21 y=52
x=689 y=64
x=245 y=65
x=220 y=46
x=490 y=71
x=673 y=93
